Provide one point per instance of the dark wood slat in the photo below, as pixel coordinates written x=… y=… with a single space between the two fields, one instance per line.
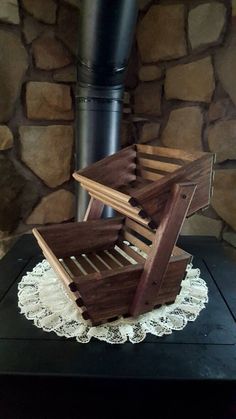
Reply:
x=89 y=269
x=135 y=241
x=138 y=228
x=119 y=257
x=73 y=268
x=130 y=252
x=65 y=239
x=97 y=262
x=104 y=255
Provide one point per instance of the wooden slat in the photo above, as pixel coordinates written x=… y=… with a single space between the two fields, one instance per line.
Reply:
x=114 y=171
x=89 y=269
x=109 y=294
x=160 y=253
x=158 y=165
x=113 y=264
x=169 y=152
x=83 y=237
x=73 y=267
x=145 y=232
x=130 y=252
x=135 y=241
x=118 y=256
x=146 y=174
x=126 y=212
x=92 y=257
x=105 y=190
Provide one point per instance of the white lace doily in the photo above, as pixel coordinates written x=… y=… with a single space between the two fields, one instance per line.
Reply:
x=43 y=299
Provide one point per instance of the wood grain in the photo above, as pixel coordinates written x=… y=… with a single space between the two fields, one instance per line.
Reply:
x=160 y=253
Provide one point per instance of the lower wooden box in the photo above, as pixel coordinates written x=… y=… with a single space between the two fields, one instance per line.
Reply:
x=101 y=262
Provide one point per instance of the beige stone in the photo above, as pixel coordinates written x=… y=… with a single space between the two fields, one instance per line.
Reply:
x=198 y=225
x=184 y=129
x=224 y=195
x=31 y=29
x=50 y=101
x=225 y=64
x=47 y=151
x=50 y=54
x=9 y=11
x=41 y=10
x=6 y=138
x=67 y=74
x=222 y=140
x=161 y=34
x=219 y=109
x=193 y=81
x=206 y=23
x=67 y=29
x=57 y=207
x=13 y=65
x=147 y=98
x=149 y=131
x=230 y=237
x=149 y=73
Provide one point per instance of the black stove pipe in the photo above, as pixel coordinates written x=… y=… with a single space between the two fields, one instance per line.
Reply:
x=106 y=31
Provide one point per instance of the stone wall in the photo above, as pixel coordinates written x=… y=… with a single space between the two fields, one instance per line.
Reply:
x=180 y=92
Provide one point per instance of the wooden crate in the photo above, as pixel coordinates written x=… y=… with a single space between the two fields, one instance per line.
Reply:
x=137 y=180
x=103 y=271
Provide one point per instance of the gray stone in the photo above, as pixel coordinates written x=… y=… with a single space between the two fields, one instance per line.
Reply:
x=222 y=140
x=6 y=138
x=206 y=23
x=184 y=129
x=57 y=207
x=67 y=74
x=50 y=54
x=68 y=27
x=9 y=11
x=47 y=151
x=224 y=195
x=147 y=98
x=219 y=109
x=41 y=10
x=31 y=29
x=149 y=73
x=225 y=64
x=230 y=237
x=161 y=34
x=198 y=225
x=50 y=101
x=148 y=132
x=13 y=65
x=192 y=81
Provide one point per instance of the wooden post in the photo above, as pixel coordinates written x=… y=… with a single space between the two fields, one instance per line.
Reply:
x=162 y=246
x=94 y=210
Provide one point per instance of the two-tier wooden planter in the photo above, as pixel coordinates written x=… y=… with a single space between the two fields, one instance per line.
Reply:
x=129 y=265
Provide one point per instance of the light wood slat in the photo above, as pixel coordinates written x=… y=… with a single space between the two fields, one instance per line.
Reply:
x=73 y=268
x=104 y=255
x=89 y=269
x=130 y=252
x=126 y=206
x=169 y=152
x=146 y=174
x=135 y=241
x=158 y=165
x=102 y=188
x=145 y=232
x=92 y=257
x=128 y=213
x=118 y=256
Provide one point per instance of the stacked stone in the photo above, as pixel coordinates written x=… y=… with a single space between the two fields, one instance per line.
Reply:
x=37 y=79
x=185 y=96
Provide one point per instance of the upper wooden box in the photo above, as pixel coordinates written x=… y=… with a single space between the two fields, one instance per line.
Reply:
x=137 y=180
